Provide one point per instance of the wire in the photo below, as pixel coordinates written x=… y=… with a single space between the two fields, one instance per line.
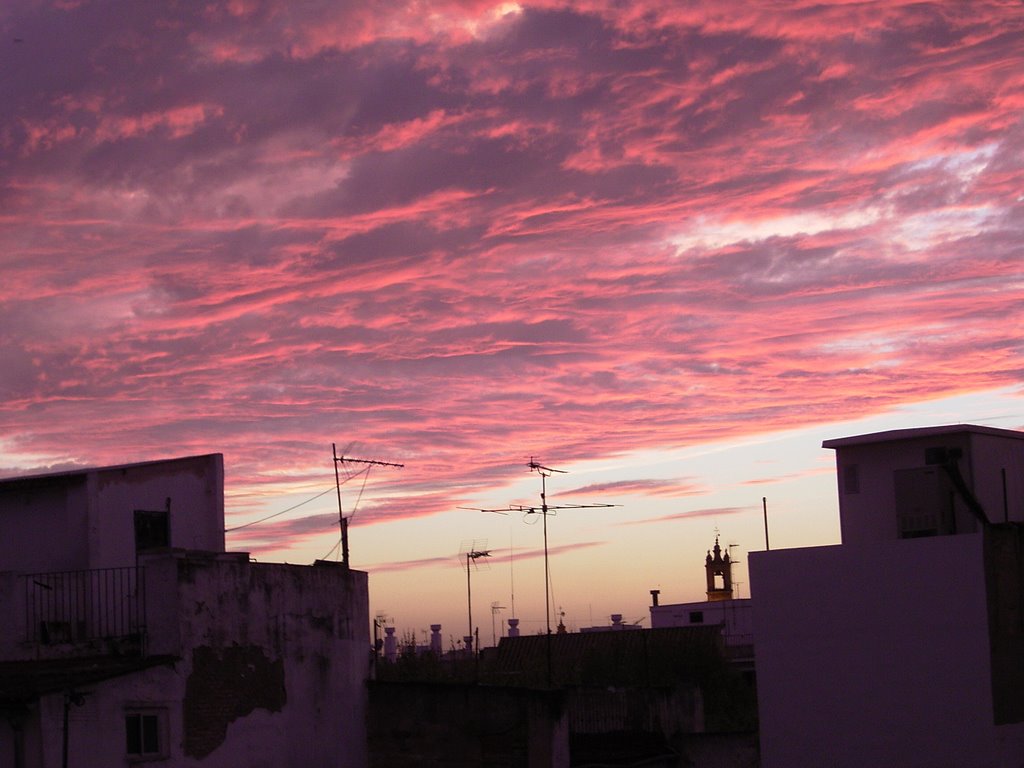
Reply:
x=332 y=550
x=269 y=517
x=366 y=476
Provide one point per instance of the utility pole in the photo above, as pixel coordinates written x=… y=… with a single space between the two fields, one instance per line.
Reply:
x=544 y=510
x=342 y=521
x=472 y=555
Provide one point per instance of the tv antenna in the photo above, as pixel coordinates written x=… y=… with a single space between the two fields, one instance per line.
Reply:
x=472 y=551
x=342 y=520
x=544 y=510
x=496 y=608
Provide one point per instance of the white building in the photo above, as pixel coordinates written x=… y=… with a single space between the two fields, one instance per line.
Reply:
x=904 y=645
x=732 y=614
x=132 y=636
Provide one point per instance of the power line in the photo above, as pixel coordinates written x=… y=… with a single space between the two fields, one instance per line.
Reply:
x=276 y=514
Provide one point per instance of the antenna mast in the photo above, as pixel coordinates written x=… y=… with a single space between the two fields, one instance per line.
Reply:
x=472 y=555
x=342 y=521
x=545 y=509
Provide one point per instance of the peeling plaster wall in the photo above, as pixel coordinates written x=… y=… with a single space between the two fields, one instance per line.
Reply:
x=274 y=658
x=266 y=667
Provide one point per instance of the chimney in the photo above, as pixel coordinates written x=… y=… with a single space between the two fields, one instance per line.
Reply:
x=654 y=597
x=390 y=644
x=435 y=639
x=513 y=627
x=616 y=621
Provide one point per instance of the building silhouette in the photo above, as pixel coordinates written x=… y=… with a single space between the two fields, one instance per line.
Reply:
x=904 y=645
x=130 y=635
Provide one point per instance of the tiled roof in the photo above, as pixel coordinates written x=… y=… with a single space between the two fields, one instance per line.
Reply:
x=616 y=658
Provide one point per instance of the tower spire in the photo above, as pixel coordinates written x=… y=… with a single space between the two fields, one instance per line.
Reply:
x=719 y=573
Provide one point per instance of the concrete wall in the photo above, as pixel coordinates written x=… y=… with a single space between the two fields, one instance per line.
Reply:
x=303 y=629
x=869 y=512
x=874 y=655
x=991 y=455
x=264 y=665
x=195 y=487
x=79 y=520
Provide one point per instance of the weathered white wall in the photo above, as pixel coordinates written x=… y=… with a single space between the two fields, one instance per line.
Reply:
x=989 y=456
x=874 y=655
x=44 y=524
x=308 y=621
x=80 y=520
x=195 y=486
x=870 y=514
x=736 y=616
x=265 y=666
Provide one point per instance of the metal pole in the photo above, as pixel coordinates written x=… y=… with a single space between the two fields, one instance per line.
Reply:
x=764 y=505
x=64 y=746
x=547 y=576
x=469 y=597
x=342 y=524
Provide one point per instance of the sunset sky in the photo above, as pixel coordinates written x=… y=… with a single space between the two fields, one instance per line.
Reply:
x=668 y=248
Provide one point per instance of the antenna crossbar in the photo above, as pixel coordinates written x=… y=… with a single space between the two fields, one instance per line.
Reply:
x=350 y=460
x=544 y=509
x=342 y=522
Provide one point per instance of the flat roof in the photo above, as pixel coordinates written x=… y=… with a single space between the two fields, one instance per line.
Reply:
x=70 y=474
x=918 y=432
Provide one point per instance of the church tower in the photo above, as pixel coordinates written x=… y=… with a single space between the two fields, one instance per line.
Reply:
x=719 y=572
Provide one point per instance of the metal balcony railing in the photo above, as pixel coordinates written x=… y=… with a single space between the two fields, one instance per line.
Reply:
x=84 y=606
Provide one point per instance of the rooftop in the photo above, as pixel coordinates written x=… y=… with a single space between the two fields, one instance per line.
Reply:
x=915 y=433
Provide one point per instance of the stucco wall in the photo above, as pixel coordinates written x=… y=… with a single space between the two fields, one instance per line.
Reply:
x=298 y=632
x=195 y=487
x=265 y=666
x=80 y=520
x=734 y=615
x=874 y=655
x=870 y=513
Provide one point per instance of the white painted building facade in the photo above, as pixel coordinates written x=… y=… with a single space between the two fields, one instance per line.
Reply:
x=137 y=638
x=733 y=615
x=904 y=645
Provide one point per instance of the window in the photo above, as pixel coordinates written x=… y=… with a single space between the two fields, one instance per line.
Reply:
x=145 y=737
x=696 y=617
x=152 y=529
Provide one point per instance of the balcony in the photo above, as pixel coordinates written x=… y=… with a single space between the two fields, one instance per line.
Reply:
x=90 y=612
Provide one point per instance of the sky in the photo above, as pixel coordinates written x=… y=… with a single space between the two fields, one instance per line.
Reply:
x=665 y=248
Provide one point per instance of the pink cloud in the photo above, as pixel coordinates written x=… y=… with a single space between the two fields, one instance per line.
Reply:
x=649 y=487
x=709 y=512
x=458 y=237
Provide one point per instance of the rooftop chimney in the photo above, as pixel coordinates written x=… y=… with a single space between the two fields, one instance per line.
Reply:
x=390 y=644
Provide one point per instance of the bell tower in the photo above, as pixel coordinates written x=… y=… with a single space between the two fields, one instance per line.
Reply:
x=719 y=573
